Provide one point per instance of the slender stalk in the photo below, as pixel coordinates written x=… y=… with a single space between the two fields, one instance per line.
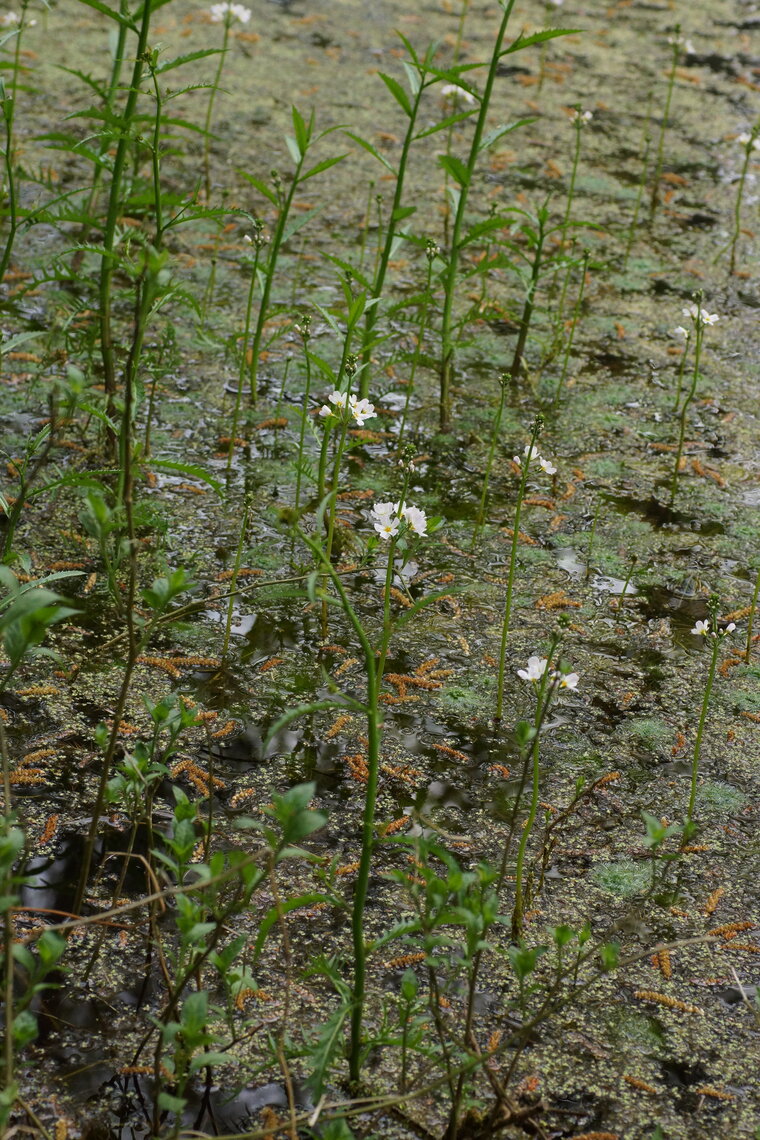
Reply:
x=624 y=591
x=591 y=538
x=384 y=252
x=447 y=336
x=681 y=368
x=156 y=152
x=537 y=425
x=750 y=148
x=431 y=252
x=701 y=728
x=698 y=337
x=305 y=330
x=285 y=203
x=233 y=583
x=530 y=296
x=228 y=18
x=257 y=241
x=644 y=148
x=543 y=700
x=491 y=454
x=108 y=259
x=8 y=110
x=752 y=608
x=675 y=43
x=574 y=325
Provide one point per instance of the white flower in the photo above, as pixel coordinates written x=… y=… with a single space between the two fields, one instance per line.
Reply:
x=386 y=520
x=700 y=316
x=361 y=410
x=7 y=19
x=555 y=3
x=702 y=628
x=581 y=117
x=247 y=239
x=416 y=519
x=689 y=48
x=547 y=466
x=454 y=92
x=730 y=627
x=568 y=680
x=338 y=400
x=536 y=669
x=529 y=453
x=745 y=138
x=681 y=332
x=225 y=11
x=675 y=41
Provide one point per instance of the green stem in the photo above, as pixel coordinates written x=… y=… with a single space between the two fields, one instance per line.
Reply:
x=543 y=702
x=244 y=353
x=681 y=367
x=233 y=584
x=447 y=338
x=525 y=462
x=371 y=312
x=491 y=454
x=570 y=339
x=527 y=313
x=107 y=263
x=689 y=397
x=700 y=729
x=752 y=608
x=664 y=123
x=210 y=108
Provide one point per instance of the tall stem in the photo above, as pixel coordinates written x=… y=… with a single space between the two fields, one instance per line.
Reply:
x=107 y=262
x=700 y=730
x=512 y=564
x=210 y=108
x=447 y=337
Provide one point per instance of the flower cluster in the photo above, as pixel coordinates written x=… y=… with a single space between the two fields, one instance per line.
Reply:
x=581 y=117
x=700 y=316
x=225 y=11
x=747 y=139
x=703 y=628
x=360 y=410
x=530 y=455
x=537 y=668
x=456 y=93
x=388 y=517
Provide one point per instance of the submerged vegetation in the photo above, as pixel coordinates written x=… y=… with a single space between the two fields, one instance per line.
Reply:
x=379 y=693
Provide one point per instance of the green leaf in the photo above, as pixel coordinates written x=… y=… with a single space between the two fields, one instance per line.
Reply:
x=498 y=132
x=182 y=59
x=111 y=13
x=449 y=121
x=261 y=187
x=537 y=38
x=398 y=93
x=188 y=469
x=297 y=224
x=371 y=150
x=455 y=168
x=324 y=165
x=204 y=1060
